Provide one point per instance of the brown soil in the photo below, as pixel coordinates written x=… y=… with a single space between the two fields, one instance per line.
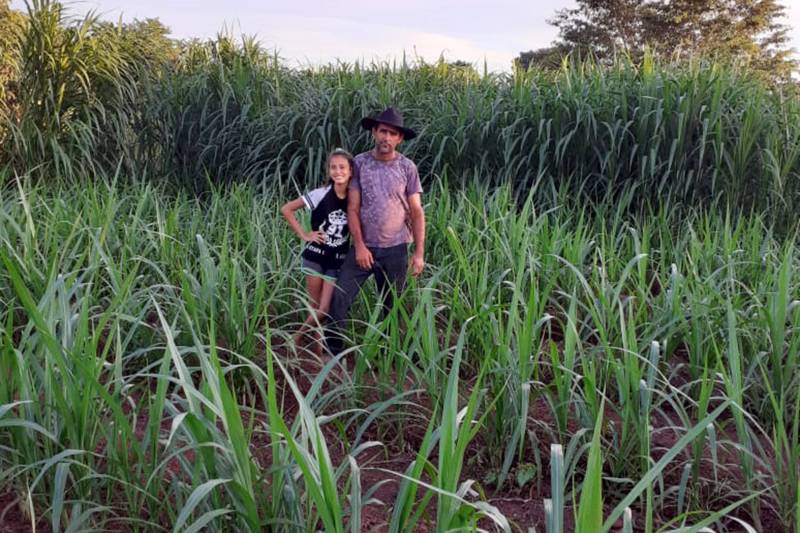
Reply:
x=13 y=518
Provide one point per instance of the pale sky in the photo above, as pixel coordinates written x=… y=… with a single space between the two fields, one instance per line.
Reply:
x=317 y=31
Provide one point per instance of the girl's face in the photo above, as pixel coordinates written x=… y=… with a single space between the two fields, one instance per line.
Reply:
x=339 y=170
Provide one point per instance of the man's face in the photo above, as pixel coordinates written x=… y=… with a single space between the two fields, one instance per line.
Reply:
x=386 y=138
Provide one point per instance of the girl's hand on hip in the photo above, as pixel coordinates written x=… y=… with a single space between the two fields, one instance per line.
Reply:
x=314 y=236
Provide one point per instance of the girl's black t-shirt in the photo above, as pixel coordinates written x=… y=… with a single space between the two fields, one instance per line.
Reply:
x=328 y=215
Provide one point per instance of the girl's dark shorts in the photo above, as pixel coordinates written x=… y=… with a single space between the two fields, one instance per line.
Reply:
x=311 y=268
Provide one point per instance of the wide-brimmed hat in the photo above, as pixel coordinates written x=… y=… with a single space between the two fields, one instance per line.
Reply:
x=391 y=117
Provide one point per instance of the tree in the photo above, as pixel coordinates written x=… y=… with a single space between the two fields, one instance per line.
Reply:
x=740 y=30
x=548 y=58
x=82 y=78
x=11 y=26
x=142 y=42
x=604 y=26
x=734 y=30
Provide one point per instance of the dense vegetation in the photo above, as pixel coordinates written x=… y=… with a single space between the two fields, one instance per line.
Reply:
x=129 y=101
x=608 y=330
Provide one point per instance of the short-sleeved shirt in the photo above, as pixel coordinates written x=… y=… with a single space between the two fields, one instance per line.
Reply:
x=385 y=187
x=328 y=215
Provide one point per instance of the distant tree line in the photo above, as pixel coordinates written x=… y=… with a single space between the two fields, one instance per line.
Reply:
x=742 y=31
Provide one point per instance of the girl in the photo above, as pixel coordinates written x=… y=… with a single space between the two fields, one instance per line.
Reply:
x=329 y=239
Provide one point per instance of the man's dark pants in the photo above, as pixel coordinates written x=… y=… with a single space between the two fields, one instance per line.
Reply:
x=390 y=266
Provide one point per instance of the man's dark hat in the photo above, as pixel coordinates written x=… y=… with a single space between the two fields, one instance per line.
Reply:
x=390 y=117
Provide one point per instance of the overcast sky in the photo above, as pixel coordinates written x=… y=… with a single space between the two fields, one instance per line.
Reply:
x=318 y=31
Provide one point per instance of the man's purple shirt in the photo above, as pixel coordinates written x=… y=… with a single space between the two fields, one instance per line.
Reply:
x=385 y=187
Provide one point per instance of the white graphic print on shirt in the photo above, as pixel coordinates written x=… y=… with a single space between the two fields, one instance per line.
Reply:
x=328 y=216
x=333 y=228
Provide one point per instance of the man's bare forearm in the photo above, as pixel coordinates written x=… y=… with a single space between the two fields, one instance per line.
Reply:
x=418 y=229
x=354 y=222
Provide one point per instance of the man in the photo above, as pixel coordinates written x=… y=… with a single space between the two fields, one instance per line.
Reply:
x=384 y=213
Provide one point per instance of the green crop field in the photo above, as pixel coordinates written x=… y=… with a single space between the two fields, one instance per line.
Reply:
x=606 y=336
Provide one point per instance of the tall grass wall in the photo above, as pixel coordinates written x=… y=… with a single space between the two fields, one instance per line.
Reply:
x=97 y=102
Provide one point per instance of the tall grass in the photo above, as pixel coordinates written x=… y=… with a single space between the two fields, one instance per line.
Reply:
x=139 y=326
x=612 y=283
x=689 y=133
x=226 y=110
